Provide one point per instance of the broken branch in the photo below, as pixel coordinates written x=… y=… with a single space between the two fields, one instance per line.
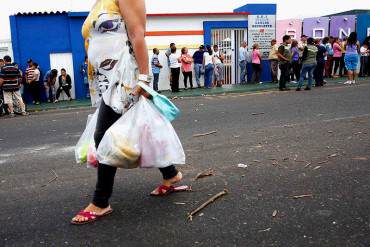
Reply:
x=205 y=134
x=302 y=196
x=209 y=201
x=51 y=180
x=204 y=174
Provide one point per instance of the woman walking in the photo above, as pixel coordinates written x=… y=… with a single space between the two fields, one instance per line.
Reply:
x=209 y=67
x=351 y=58
x=256 y=64
x=114 y=32
x=187 y=61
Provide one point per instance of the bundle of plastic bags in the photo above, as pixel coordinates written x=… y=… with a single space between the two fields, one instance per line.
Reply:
x=85 y=151
x=142 y=137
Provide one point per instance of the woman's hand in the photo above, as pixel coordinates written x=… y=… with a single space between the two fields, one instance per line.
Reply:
x=139 y=91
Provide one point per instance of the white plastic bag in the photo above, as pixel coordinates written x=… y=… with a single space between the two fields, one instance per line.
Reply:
x=142 y=137
x=85 y=151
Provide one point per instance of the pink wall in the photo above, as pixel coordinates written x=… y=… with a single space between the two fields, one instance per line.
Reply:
x=290 y=27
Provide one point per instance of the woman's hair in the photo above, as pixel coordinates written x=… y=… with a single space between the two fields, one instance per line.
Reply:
x=183 y=50
x=294 y=43
x=63 y=70
x=273 y=41
x=173 y=49
x=286 y=38
x=310 y=41
x=352 y=38
x=336 y=39
x=255 y=46
x=209 y=49
x=325 y=40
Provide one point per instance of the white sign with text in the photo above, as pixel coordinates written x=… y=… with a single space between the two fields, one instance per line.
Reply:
x=261 y=30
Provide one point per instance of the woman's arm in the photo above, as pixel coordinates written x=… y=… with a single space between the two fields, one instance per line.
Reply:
x=134 y=15
x=69 y=80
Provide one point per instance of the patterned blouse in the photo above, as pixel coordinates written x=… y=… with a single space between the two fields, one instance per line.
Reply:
x=112 y=67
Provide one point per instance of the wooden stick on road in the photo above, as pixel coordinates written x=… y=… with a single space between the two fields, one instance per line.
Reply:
x=205 y=134
x=209 y=201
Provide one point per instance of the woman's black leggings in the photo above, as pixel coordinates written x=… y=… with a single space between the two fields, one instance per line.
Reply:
x=186 y=76
x=104 y=186
x=65 y=89
x=336 y=64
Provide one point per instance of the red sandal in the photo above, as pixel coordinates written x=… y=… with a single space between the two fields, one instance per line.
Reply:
x=91 y=217
x=164 y=190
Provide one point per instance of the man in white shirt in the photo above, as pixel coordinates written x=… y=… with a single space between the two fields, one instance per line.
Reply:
x=243 y=56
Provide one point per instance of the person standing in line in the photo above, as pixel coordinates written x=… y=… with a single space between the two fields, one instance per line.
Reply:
x=284 y=56
x=243 y=57
x=85 y=75
x=29 y=75
x=49 y=82
x=168 y=54
x=320 y=64
x=329 y=57
x=274 y=61
x=351 y=58
x=364 y=51
x=308 y=64
x=187 y=70
x=301 y=45
x=219 y=58
x=336 y=57
x=342 y=67
x=65 y=84
x=175 y=70
x=256 y=64
x=295 y=62
x=208 y=63
x=10 y=78
x=33 y=77
x=156 y=69
x=198 y=64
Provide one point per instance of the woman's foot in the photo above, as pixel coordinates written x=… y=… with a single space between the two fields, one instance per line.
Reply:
x=168 y=183
x=92 y=209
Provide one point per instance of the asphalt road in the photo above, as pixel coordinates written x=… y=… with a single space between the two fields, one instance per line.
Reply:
x=308 y=143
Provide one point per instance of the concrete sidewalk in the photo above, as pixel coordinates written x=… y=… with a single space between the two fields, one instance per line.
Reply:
x=226 y=89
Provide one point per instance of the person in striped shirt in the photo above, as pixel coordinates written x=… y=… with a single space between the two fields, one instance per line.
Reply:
x=10 y=77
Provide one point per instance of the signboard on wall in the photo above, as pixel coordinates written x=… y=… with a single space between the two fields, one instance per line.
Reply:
x=261 y=30
x=317 y=28
x=341 y=26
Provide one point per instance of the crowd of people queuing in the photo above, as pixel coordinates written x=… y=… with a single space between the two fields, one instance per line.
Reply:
x=14 y=83
x=295 y=61
x=317 y=59
x=207 y=61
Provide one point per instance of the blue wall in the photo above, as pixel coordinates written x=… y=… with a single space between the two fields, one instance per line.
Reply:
x=258 y=9
x=36 y=36
x=363 y=23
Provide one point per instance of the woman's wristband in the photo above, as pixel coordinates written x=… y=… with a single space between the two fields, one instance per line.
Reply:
x=145 y=78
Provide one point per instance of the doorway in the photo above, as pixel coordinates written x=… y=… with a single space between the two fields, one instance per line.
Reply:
x=64 y=60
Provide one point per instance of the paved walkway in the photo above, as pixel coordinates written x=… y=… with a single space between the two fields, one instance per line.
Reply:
x=184 y=93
